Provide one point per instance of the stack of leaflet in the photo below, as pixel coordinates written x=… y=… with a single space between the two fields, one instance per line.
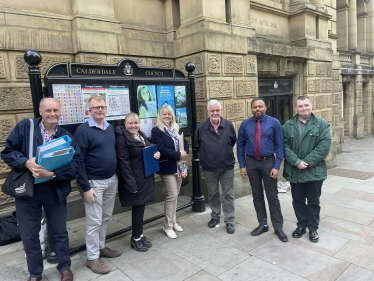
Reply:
x=54 y=154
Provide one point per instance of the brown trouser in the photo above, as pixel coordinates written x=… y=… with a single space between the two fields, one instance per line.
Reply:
x=172 y=187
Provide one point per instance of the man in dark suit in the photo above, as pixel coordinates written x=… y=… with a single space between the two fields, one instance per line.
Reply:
x=259 y=138
x=50 y=194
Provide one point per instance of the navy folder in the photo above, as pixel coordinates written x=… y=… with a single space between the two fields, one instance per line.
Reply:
x=151 y=165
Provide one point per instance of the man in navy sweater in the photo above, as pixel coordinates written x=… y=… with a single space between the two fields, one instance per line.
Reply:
x=97 y=181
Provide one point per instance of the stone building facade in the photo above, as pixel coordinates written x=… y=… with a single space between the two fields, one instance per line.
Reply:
x=233 y=43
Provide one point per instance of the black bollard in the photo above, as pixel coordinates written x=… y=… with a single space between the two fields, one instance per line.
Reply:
x=33 y=59
x=197 y=190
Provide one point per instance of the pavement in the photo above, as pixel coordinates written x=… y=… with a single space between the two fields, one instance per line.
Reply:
x=345 y=250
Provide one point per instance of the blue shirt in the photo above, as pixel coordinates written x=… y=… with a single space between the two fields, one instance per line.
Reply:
x=92 y=123
x=271 y=139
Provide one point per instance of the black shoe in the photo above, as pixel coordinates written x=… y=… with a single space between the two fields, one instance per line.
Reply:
x=145 y=241
x=259 y=230
x=313 y=236
x=212 y=223
x=281 y=235
x=298 y=232
x=138 y=245
x=230 y=227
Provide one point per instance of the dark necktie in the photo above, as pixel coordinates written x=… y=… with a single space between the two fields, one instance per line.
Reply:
x=258 y=140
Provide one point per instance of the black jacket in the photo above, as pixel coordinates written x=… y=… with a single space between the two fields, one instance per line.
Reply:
x=169 y=157
x=131 y=170
x=16 y=153
x=216 y=151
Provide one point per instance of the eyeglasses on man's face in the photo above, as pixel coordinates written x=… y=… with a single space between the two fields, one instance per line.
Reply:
x=97 y=108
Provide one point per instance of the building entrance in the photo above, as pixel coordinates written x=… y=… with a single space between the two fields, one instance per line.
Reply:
x=278 y=94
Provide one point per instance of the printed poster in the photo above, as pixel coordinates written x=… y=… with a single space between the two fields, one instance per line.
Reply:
x=181 y=117
x=146 y=125
x=147 y=105
x=70 y=97
x=165 y=95
x=180 y=96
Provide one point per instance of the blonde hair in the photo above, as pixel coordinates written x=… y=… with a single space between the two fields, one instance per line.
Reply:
x=160 y=122
x=96 y=98
x=132 y=114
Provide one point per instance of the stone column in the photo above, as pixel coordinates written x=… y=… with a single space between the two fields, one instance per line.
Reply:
x=361 y=33
x=342 y=24
x=172 y=14
x=352 y=19
x=370 y=28
x=196 y=10
x=238 y=15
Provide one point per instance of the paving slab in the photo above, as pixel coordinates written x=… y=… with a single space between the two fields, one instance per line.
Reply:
x=207 y=253
x=300 y=261
x=202 y=276
x=362 y=205
x=335 y=199
x=349 y=230
x=115 y=275
x=199 y=223
x=254 y=269
x=357 y=253
x=156 y=264
x=347 y=214
x=14 y=271
x=329 y=244
x=356 y=273
x=331 y=188
x=157 y=235
x=242 y=238
x=356 y=194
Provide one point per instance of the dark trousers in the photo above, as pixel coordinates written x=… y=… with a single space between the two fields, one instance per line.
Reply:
x=29 y=215
x=137 y=220
x=259 y=171
x=307 y=213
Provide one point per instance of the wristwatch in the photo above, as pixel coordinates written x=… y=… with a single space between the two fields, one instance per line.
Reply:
x=54 y=175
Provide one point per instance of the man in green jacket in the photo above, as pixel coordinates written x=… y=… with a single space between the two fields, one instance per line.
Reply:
x=307 y=142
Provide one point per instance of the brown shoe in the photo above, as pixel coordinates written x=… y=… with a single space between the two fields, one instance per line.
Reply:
x=98 y=266
x=108 y=253
x=67 y=275
x=34 y=278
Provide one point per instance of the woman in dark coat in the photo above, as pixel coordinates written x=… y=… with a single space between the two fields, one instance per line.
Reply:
x=134 y=188
x=172 y=165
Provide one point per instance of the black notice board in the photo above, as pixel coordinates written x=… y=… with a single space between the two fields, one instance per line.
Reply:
x=73 y=83
x=275 y=86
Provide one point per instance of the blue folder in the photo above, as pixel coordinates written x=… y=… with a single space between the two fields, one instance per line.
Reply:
x=151 y=165
x=54 y=162
x=53 y=149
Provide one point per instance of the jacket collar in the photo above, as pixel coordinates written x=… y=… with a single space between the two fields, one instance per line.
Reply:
x=38 y=134
x=131 y=139
x=208 y=124
x=293 y=120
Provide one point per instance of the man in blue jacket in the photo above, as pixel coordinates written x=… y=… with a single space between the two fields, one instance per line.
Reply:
x=50 y=194
x=215 y=138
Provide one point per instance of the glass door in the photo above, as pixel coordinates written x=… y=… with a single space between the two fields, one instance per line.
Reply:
x=279 y=107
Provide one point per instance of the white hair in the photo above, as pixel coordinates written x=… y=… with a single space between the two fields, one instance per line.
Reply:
x=213 y=102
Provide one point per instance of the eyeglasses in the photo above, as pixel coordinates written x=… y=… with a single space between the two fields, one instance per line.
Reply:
x=97 y=108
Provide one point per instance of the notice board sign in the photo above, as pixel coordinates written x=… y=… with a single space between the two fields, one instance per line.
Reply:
x=275 y=86
x=125 y=87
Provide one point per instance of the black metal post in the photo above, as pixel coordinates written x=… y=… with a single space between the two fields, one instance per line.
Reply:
x=197 y=190
x=33 y=59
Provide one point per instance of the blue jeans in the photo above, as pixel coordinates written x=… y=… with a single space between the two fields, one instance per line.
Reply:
x=29 y=215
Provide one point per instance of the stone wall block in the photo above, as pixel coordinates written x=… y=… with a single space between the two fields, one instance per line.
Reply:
x=237 y=126
x=320 y=101
x=327 y=115
x=246 y=87
x=329 y=99
x=251 y=65
x=336 y=86
x=338 y=98
x=328 y=69
x=4 y=168
x=311 y=68
x=201 y=113
x=91 y=58
x=282 y=66
x=313 y=85
x=235 y=110
x=200 y=89
x=336 y=120
x=326 y=85
x=249 y=108
x=213 y=63
x=317 y=113
x=336 y=109
x=335 y=75
x=15 y=98
x=20 y=69
x=197 y=59
x=267 y=64
x=7 y=123
x=220 y=88
x=320 y=68
x=140 y=61
x=4 y=67
x=233 y=64
x=161 y=63
x=358 y=87
x=23 y=116
x=4 y=199
x=312 y=98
